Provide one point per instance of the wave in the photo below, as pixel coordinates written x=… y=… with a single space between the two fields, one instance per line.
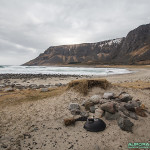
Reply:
x=2 y=66
x=61 y=70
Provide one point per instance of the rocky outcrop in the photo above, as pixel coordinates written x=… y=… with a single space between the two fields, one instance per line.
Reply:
x=133 y=49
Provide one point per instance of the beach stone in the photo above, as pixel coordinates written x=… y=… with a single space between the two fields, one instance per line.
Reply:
x=135 y=103
x=73 y=106
x=58 y=84
x=133 y=115
x=124 y=97
x=124 y=110
x=109 y=107
x=99 y=113
x=129 y=107
x=110 y=116
x=44 y=89
x=84 y=114
x=10 y=89
x=88 y=104
x=19 y=87
x=125 y=124
x=41 y=86
x=92 y=109
x=95 y=99
x=75 y=112
x=102 y=101
x=140 y=112
x=108 y=95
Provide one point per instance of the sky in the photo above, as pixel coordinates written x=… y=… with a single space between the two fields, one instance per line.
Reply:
x=29 y=27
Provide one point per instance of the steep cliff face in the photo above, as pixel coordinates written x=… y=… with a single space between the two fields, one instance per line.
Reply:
x=136 y=46
x=134 y=49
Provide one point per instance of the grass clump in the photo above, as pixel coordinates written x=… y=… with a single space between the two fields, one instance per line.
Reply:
x=84 y=85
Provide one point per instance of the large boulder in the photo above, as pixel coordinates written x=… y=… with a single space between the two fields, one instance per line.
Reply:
x=109 y=107
x=125 y=124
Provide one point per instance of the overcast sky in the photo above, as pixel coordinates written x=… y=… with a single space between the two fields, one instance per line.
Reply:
x=28 y=27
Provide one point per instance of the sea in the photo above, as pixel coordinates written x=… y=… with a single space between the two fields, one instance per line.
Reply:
x=52 y=70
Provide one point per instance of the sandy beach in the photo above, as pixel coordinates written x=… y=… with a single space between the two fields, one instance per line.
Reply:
x=39 y=124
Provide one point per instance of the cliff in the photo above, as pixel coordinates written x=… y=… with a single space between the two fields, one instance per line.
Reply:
x=132 y=49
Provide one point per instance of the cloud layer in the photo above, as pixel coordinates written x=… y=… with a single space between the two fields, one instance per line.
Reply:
x=29 y=27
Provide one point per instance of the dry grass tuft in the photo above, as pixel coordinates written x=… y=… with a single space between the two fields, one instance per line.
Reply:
x=69 y=121
x=84 y=85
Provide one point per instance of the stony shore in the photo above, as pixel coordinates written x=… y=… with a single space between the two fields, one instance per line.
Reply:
x=39 y=124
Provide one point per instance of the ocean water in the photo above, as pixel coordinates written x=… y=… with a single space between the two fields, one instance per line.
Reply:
x=61 y=70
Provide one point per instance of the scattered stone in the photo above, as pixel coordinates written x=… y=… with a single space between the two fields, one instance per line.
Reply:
x=58 y=84
x=4 y=146
x=75 y=112
x=92 y=109
x=99 y=113
x=124 y=97
x=125 y=124
x=41 y=86
x=95 y=99
x=108 y=95
x=109 y=107
x=44 y=89
x=140 y=112
x=110 y=116
x=73 y=106
x=10 y=89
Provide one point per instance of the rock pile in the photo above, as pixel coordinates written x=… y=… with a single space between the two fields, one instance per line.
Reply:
x=120 y=108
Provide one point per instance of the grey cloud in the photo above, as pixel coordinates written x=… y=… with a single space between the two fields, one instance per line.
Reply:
x=29 y=27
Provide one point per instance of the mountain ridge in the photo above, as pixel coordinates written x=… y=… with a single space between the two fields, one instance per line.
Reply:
x=132 y=49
